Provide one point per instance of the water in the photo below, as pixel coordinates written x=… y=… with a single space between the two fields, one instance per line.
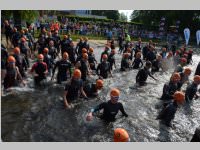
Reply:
x=29 y=114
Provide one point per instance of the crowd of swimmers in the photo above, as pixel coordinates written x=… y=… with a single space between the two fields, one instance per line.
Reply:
x=76 y=63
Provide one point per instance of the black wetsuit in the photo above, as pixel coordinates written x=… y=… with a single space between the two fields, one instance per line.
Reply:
x=30 y=40
x=42 y=44
x=15 y=38
x=189 y=58
x=142 y=76
x=136 y=63
x=53 y=52
x=111 y=60
x=168 y=91
x=86 y=45
x=156 y=65
x=196 y=136
x=151 y=56
x=145 y=50
x=110 y=110
x=79 y=57
x=57 y=42
x=10 y=79
x=40 y=69
x=121 y=47
x=24 y=50
x=71 y=52
x=79 y=48
x=49 y=61
x=8 y=31
x=64 y=45
x=138 y=46
x=190 y=92
x=63 y=66
x=73 y=89
x=84 y=69
x=168 y=113
x=124 y=64
x=173 y=47
x=131 y=56
x=112 y=46
x=182 y=80
x=92 y=60
x=90 y=89
x=21 y=64
x=197 y=72
x=104 y=68
x=4 y=57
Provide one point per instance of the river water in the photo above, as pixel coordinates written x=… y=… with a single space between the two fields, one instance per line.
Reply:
x=29 y=114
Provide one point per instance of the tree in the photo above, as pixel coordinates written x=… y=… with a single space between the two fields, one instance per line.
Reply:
x=110 y=14
x=187 y=18
x=19 y=15
x=123 y=17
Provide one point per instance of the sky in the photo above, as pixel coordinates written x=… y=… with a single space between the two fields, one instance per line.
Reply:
x=126 y=12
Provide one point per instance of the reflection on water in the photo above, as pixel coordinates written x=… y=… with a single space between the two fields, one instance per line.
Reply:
x=30 y=114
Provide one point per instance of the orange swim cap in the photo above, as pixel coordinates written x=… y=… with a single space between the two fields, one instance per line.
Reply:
x=187 y=71
x=114 y=92
x=11 y=59
x=16 y=50
x=40 y=56
x=91 y=49
x=99 y=83
x=77 y=73
x=196 y=78
x=84 y=50
x=179 y=96
x=121 y=135
x=46 y=50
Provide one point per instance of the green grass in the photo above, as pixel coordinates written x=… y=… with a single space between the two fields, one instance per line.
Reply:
x=76 y=37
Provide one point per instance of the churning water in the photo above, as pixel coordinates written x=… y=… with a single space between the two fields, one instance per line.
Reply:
x=29 y=114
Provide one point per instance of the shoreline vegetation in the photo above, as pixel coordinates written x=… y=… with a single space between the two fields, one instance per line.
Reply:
x=76 y=37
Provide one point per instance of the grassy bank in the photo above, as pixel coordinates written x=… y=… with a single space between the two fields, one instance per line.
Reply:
x=75 y=37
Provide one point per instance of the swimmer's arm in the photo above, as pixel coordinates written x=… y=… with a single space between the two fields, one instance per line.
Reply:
x=137 y=76
x=83 y=92
x=142 y=64
x=123 y=111
x=19 y=74
x=65 y=99
x=54 y=68
x=152 y=76
x=97 y=108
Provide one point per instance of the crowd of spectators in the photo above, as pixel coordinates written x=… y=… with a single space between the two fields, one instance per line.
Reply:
x=102 y=29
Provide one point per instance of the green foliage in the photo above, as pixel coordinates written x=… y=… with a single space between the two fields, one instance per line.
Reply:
x=110 y=14
x=27 y=15
x=123 y=17
x=96 y=20
x=80 y=18
x=188 y=18
x=76 y=37
x=6 y=14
